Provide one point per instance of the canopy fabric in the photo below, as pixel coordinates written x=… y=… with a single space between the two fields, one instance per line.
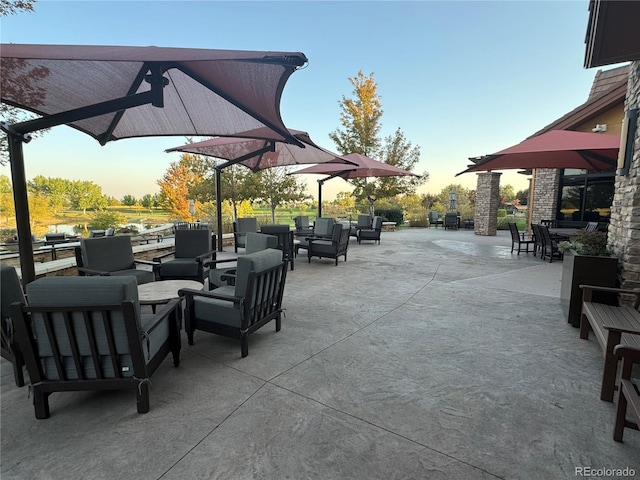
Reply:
x=555 y=149
x=114 y=92
x=363 y=167
x=206 y=92
x=250 y=151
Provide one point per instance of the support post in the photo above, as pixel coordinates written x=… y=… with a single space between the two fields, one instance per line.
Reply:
x=219 y=207
x=320 y=183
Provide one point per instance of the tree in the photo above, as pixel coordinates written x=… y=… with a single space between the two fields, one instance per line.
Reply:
x=129 y=200
x=237 y=186
x=507 y=194
x=11 y=7
x=522 y=196
x=148 y=201
x=57 y=190
x=275 y=187
x=178 y=181
x=360 y=118
x=6 y=198
x=84 y=195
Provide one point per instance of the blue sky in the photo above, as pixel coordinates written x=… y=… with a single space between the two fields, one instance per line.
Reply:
x=459 y=78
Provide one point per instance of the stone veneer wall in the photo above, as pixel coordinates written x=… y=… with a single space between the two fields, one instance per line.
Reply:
x=624 y=228
x=545 y=194
x=487 y=203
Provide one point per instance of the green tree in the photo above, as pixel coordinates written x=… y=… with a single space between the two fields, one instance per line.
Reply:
x=57 y=191
x=129 y=200
x=507 y=194
x=7 y=209
x=148 y=201
x=84 y=195
x=522 y=196
x=104 y=219
x=360 y=118
x=274 y=187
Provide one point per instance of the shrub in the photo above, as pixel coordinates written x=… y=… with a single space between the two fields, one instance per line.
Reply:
x=502 y=212
x=391 y=215
x=418 y=219
x=105 y=219
x=587 y=243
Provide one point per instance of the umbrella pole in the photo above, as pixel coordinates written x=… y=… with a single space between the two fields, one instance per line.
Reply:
x=219 y=207
x=19 y=179
x=320 y=182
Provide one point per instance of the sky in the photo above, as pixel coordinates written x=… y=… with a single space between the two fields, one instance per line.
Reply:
x=459 y=78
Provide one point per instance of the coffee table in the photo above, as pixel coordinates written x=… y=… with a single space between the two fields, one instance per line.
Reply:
x=162 y=291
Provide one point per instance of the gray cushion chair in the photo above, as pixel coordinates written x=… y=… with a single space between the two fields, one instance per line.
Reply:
x=111 y=256
x=225 y=275
x=322 y=228
x=302 y=225
x=285 y=240
x=372 y=233
x=88 y=333
x=238 y=311
x=334 y=247
x=193 y=249
x=451 y=221
x=434 y=219
x=11 y=292
x=364 y=221
x=240 y=229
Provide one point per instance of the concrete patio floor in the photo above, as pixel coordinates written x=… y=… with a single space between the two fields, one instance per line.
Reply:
x=435 y=355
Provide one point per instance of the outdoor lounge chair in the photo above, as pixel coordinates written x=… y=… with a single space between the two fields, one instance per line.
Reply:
x=518 y=238
x=451 y=221
x=222 y=276
x=238 y=311
x=11 y=292
x=111 y=256
x=372 y=233
x=240 y=228
x=193 y=248
x=364 y=221
x=549 y=245
x=87 y=333
x=322 y=229
x=434 y=219
x=302 y=225
x=285 y=240
x=334 y=247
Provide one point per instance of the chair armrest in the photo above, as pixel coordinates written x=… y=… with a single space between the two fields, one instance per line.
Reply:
x=160 y=316
x=627 y=352
x=630 y=330
x=632 y=291
x=215 y=262
x=189 y=292
x=146 y=262
x=204 y=256
x=164 y=255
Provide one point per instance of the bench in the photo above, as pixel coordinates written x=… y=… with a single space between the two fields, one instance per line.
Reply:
x=611 y=326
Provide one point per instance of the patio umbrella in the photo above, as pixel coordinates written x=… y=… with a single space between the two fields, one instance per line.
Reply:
x=554 y=149
x=112 y=93
x=258 y=154
x=364 y=167
x=453 y=204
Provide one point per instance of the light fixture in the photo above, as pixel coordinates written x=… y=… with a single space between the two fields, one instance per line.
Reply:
x=599 y=128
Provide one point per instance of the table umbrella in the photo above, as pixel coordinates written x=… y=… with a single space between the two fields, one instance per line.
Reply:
x=258 y=154
x=453 y=203
x=364 y=167
x=554 y=149
x=112 y=93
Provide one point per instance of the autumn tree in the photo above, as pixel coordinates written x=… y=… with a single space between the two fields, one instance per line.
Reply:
x=6 y=199
x=56 y=189
x=177 y=183
x=360 y=118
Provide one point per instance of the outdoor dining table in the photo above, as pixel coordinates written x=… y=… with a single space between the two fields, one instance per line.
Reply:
x=564 y=233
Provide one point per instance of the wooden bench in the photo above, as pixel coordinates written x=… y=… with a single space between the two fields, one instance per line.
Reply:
x=612 y=326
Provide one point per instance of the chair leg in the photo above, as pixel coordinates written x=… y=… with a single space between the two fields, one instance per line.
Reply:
x=620 y=417
x=278 y=323
x=41 y=403
x=142 y=397
x=244 y=345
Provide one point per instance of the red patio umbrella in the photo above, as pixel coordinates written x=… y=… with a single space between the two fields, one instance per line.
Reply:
x=257 y=155
x=554 y=149
x=112 y=93
x=364 y=167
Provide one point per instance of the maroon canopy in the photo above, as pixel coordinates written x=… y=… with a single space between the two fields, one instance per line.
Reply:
x=121 y=92
x=259 y=154
x=555 y=149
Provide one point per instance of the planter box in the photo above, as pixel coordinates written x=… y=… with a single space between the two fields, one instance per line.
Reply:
x=584 y=269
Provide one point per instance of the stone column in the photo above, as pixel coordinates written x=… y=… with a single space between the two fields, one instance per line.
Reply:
x=624 y=227
x=487 y=203
x=546 y=183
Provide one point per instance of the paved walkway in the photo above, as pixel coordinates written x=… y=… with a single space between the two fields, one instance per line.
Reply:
x=435 y=355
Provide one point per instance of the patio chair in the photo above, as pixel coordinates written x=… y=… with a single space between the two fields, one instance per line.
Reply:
x=629 y=396
x=256 y=242
x=322 y=229
x=238 y=311
x=193 y=248
x=302 y=225
x=549 y=245
x=519 y=238
x=285 y=240
x=80 y=334
x=364 y=221
x=240 y=228
x=334 y=247
x=55 y=238
x=434 y=219
x=451 y=221
x=591 y=227
x=372 y=233
x=111 y=256
x=11 y=292
x=97 y=233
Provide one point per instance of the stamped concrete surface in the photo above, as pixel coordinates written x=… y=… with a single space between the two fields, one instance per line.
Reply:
x=434 y=355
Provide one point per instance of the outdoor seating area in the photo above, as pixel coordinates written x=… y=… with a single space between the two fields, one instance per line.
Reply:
x=426 y=368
